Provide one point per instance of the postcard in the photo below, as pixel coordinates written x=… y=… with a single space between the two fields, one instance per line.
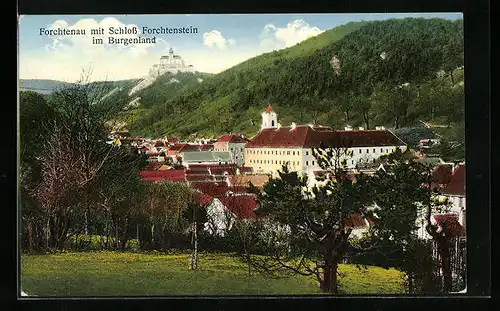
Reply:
x=242 y=154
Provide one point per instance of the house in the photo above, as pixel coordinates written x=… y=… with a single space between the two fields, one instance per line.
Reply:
x=233 y=144
x=244 y=180
x=277 y=145
x=449 y=180
x=454 y=191
x=222 y=211
x=176 y=149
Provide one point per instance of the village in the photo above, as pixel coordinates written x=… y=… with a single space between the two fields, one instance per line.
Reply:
x=220 y=170
x=330 y=164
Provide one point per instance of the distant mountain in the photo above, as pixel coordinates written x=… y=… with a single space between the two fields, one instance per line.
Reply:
x=43 y=86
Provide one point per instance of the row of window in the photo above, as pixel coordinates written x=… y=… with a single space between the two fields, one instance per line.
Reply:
x=381 y=150
x=276 y=162
x=275 y=152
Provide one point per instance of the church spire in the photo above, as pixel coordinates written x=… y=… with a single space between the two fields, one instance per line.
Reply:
x=269 y=118
x=269 y=109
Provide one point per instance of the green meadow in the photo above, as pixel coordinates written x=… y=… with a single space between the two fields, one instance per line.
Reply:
x=159 y=274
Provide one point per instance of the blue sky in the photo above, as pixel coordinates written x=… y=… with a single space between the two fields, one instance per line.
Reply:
x=222 y=41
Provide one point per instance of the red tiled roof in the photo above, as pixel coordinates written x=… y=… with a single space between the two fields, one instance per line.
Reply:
x=243 y=180
x=449 y=223
x=306 y=136
x=231 y=139
x=246 y=169
x=200 y=178
x=172 y=139
x=173 y=175
x=442 y=174
x=457 y=184
x=242 y=206
x=183 y=147
x=269 y=109
x=197 y=171
x=215 y=189
x=160 y=143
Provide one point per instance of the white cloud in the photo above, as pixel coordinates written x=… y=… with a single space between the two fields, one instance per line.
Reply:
x=273 y=37
x=215 y=39
x=65 y=57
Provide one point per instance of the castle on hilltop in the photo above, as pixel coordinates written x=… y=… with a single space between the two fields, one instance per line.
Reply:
x=170 y=63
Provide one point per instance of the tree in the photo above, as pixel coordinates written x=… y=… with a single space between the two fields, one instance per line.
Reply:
x=36 y=118
x=73 y=158
x=166 y=204
x=123 y=194
x=196 y=215
x=307 y=231
x=398 y=195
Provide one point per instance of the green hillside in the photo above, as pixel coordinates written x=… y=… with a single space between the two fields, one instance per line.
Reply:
x=375 y=58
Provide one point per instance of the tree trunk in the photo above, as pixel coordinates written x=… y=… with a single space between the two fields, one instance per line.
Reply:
x=329 y=282
x=410 y=283
x=452 y=78
x=366 y=119
x=444 y=253
x=30 y=235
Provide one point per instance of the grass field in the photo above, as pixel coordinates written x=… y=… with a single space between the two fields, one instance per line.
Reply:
x=135 y=274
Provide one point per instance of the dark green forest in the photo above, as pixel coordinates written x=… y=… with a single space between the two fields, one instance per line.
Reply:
x=391 y=73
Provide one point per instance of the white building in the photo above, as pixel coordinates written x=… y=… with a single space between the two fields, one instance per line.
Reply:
x=170 y=63
x=274 y=146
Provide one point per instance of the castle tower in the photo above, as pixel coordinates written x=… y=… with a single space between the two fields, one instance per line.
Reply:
x=269 y=118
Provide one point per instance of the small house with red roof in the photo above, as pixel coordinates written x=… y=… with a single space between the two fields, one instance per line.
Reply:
x=454 y=191
x=233 y=144
x=450 y=182
x=223 y=211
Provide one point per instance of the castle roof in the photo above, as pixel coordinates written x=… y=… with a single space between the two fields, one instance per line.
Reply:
x=306 y=136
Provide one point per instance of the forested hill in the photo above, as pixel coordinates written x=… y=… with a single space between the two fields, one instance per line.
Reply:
x=391 y=73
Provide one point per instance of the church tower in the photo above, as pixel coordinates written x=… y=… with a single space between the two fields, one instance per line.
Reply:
x=269 y=118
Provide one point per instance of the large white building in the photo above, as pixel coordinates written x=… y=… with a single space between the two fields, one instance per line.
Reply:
x=276 y=145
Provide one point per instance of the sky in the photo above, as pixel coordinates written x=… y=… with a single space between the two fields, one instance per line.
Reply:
x=221 y=42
